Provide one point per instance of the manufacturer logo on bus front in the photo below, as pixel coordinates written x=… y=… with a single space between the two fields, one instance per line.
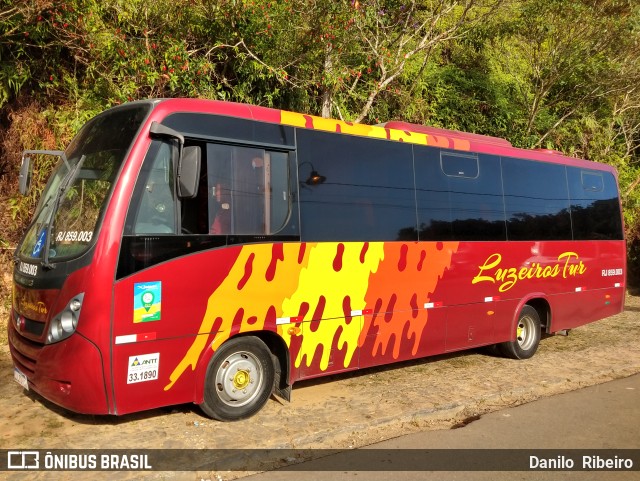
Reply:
x=33 y=307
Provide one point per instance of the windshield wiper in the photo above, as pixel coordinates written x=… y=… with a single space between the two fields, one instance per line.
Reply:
x=64 y=185
x=25 y=178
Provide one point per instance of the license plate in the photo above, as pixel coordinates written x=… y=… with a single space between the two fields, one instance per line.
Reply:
x=21 y=378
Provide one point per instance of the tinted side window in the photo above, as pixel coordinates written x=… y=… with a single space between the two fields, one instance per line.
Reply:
x=595 y=208
x=536 y=200
x=363 y=189
x=219 y=127
x=459 y=197
x=247 y=190
x=459 y=165
x=152 y=210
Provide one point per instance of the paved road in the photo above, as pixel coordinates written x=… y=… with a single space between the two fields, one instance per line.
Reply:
x=602 y=417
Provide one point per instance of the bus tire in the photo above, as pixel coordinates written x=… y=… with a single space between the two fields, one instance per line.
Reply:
x=239 y=379
x=527 y=335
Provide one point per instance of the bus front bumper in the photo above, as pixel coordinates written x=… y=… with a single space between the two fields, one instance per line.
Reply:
x=68 y=373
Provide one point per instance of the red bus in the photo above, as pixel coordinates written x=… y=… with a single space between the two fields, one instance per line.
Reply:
x=196 y=251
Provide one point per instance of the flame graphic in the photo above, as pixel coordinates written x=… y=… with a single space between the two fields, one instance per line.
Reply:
x=324 y=282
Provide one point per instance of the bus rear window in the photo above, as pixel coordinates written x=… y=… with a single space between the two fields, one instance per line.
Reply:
x=595 y=208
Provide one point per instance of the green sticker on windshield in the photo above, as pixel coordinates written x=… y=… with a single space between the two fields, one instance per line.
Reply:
x=146 y=301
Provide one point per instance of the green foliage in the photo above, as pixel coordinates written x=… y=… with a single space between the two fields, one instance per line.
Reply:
x=524 y=70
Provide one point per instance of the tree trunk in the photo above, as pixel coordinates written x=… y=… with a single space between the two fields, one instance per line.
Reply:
x=327 y=92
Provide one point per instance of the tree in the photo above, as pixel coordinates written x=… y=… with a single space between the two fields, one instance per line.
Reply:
x=558 y=65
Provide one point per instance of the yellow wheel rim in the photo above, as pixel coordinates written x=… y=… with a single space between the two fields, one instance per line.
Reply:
x=241 y=379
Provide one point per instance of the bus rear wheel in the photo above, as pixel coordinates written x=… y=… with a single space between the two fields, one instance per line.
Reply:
x=239 y=379
x=527 y=335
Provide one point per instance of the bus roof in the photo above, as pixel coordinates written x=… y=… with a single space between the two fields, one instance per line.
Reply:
x=392 y=130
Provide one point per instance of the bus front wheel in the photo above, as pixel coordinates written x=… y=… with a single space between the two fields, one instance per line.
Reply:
x=239 y=379
x=527 y=335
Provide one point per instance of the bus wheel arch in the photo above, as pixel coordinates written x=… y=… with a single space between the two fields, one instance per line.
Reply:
x=532 y=318
x=281 y=361
x=541 y=305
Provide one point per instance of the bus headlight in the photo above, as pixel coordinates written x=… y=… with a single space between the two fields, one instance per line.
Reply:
x=65 y=323
x=68 y=321
x=75 y=305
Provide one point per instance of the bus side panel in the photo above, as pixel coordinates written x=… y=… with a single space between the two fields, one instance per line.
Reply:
x=402 y=320
x=473 y=325
x=338 y=306
x=574 y=309
x=317 y=297
x=160 y=329
x=582 y=281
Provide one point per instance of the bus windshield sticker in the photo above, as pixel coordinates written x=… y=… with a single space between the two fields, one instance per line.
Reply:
x=147 y=298
x=74 y=236
x=39 y=243
x=143 y=368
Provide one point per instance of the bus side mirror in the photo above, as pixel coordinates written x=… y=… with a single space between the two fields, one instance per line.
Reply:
x=24 y=180
x=189 y=172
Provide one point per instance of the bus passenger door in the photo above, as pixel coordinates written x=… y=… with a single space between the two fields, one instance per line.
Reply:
x=149 y=330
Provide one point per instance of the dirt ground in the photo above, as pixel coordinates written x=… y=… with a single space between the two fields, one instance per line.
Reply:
x=342 y=411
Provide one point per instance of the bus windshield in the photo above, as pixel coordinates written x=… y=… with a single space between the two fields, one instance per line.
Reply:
x=71 y=204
